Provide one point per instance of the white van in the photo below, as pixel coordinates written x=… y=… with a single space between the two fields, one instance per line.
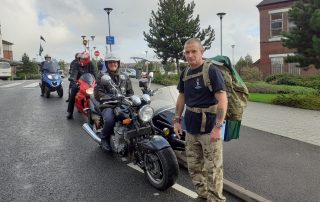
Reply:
x=5 y=70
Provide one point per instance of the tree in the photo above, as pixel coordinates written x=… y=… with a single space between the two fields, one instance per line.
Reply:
x=171 y=26
x=28 y=67
x=304 y=35
x=242 y=63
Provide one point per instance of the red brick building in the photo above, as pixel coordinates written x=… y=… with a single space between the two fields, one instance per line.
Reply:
x=7 y=50
x=273 y=21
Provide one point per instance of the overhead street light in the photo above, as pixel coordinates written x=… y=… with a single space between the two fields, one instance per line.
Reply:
x=221 y=16
x=108 y=10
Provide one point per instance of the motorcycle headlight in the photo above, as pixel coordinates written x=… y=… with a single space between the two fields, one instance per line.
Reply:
x=145 y=113
x=50 y=77
x=89 y=91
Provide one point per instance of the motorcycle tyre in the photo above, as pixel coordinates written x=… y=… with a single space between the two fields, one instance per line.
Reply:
x=60 y=91
x=169 y=166
x=47 y=92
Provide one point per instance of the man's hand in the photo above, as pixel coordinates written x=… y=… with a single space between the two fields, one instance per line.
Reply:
x=177 y=129
x=215 y=134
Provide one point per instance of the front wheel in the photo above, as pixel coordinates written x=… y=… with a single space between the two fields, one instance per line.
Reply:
x=47 y=92
x=161 y=168
x=60 y=91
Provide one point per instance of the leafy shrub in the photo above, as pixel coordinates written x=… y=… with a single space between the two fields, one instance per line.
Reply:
x=295 y=80
x=166 y=80
x=308 y=101
x=23 y=76
x=263 y=87
x=251 y=74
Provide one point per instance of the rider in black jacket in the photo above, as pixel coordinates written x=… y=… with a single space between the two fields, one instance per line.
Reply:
x=72 y=64
x=123 y=84
x=47 y=58
x=83 y=66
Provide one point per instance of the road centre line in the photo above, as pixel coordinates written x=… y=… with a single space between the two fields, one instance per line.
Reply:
x=31 y=85
x=11 y=85
x=176 y=186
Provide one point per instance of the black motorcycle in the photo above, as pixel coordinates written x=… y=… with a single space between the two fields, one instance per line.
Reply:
x=134 y=137
x=164 y=104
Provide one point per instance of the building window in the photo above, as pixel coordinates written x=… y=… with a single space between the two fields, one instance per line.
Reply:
x=276 y=20
x=293 y=68
x=276 y=65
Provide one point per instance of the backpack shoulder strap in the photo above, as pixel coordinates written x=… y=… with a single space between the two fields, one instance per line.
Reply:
x=205 y=70
x=187 y=77
x=205 y=74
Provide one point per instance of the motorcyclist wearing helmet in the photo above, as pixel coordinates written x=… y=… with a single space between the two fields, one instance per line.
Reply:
x=105 y=90
x=76 y=60
x=83 y=66
x=47 y=58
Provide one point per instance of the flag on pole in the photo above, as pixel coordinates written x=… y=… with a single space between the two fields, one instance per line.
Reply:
x=40 y=50
x=41 y=38
x=1 y=49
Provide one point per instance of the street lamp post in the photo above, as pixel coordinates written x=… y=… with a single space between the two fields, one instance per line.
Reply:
x=221 y=16
x=108 y=10
x=232 y=46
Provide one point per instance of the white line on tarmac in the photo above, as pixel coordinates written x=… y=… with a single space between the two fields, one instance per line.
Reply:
x=32 y=85
x=176 y=186
x=11 y=85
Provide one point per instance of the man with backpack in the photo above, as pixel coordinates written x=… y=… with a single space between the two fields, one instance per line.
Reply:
x=206 y=108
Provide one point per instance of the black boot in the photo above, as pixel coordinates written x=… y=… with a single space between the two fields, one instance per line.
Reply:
x=69 y=116
x=105 y=145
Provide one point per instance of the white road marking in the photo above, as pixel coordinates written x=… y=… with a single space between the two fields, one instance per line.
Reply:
x=176 y=186
x=32 y=85
x=11 y=85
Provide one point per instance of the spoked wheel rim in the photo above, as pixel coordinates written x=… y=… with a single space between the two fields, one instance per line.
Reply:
x=154 y=168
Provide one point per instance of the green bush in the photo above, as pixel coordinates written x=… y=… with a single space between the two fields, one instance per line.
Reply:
x=263 y=87
x=308 y=101
x=295 y=80
x=23 y=76
x=166 y=80
x=251 y=74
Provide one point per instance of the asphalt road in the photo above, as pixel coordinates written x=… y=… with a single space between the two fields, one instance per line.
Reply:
x=44 y=157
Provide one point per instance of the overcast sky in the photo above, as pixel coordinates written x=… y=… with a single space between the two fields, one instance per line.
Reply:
x=63 y=22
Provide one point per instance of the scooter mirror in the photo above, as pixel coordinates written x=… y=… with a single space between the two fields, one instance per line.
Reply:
x=150 y=75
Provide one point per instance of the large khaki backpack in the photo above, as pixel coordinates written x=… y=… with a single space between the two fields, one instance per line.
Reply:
x=237 y=92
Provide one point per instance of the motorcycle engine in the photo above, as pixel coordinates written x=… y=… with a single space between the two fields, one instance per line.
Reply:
x=117 y=141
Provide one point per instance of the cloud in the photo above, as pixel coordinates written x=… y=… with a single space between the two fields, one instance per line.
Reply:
x=62 y=23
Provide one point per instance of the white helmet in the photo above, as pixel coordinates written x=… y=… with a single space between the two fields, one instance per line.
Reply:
x=111 y=57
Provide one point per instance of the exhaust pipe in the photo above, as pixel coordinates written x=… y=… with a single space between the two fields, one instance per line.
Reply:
x=90 y=132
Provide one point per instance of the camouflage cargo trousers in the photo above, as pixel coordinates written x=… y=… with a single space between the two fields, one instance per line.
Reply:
x=205 y=166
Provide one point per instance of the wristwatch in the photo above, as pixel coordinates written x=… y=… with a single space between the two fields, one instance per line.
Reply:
x=218 y=125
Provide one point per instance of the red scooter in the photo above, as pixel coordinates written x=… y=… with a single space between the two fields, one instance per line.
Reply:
x=86 y=85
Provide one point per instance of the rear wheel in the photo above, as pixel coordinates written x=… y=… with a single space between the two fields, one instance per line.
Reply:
x=161 y=168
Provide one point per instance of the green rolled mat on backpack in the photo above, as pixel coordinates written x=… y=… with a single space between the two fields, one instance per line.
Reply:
x=232 y=130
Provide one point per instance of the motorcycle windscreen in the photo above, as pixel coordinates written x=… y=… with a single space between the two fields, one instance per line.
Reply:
x=165 y=98
x=88 y=78
x=51 y=66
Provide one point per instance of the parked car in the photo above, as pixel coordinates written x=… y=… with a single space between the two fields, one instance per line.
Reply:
x=129 y=72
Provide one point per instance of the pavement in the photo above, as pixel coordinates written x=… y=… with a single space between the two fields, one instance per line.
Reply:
x=299 y=124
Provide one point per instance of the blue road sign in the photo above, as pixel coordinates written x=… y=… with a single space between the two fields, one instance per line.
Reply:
x=110 y=40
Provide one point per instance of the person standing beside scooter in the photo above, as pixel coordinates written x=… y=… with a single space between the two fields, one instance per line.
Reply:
x=123 y=85
x=83 y=66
